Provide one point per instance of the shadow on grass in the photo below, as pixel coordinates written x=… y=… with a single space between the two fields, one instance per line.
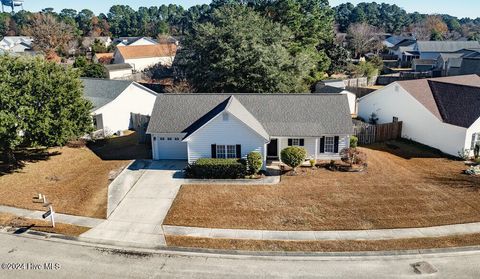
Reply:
x=408 y=149
x=120 y=148
x=24 y=156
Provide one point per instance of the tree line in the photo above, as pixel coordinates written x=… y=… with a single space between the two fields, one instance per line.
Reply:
x=393 y=19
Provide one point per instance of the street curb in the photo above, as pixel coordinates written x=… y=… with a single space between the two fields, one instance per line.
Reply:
x=182 y=251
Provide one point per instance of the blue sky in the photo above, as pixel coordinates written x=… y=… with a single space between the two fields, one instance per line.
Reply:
x=460 y=8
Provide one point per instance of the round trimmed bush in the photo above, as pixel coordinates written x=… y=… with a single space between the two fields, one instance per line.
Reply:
x=293 y=156
x=255 y=161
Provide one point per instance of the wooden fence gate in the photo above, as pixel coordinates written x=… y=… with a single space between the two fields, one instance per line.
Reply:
x=139 y=123
x=369 y=133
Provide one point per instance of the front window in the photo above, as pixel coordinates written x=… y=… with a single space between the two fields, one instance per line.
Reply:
x=295 y=142
x=226 y=151
x=329 y=144
x=231 y=151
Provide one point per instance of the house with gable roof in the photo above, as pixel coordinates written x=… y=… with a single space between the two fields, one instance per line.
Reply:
x=193 y=126
x=443 y=113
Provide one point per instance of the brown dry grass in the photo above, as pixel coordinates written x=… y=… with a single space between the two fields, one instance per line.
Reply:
x=75 y=181
x=22 y=224
x=406 y=185
x=325 y=246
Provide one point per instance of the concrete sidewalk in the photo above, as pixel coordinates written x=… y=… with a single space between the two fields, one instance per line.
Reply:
x=137 y=220
x=382 y=234
x=60 y=218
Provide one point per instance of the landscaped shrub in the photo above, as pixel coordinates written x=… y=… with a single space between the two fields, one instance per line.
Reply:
x=353 y=141
x=217 y=169
x=255 y=162
x=293 y=156
x=313 y=162
x=353 y=156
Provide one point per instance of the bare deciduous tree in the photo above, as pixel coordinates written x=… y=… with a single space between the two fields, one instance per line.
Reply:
x=48 y=33
x=363 y=38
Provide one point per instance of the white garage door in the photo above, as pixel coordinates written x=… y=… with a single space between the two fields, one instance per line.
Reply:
x=171 y=149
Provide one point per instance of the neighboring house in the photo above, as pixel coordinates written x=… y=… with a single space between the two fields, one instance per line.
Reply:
x=423 y=65
x=104 y=58
x=394 y=40
x=432 y=49
x=443 y=113
x=450 y=63
x=145 y=56
x=134 y=41
x=352 y=98
x=193 y=126
x=119 y=71
x=16 y=44
x=115 y=100
x=404 y=50
x=87 y=42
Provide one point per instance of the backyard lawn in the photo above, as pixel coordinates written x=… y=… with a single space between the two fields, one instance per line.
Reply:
x=406 y=185
x=74 y=180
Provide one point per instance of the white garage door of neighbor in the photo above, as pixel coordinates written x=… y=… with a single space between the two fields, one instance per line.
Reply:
x=171 y=149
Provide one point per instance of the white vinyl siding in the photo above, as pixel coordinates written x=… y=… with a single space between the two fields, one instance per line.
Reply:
x=116 y=114
x=312 y=146
x=224 y=131
x=419 y=124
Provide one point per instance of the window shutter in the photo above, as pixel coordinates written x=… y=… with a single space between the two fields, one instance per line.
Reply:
x=302 y=142
x=239 y=151
x=289 y=142
x=214 y=151
x=474 y=141
x=322 y=145
x=335 y=146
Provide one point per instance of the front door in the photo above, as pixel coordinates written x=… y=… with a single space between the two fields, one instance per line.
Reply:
x=272 y=148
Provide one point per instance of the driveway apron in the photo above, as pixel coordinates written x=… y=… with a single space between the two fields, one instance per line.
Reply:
x=138 y=218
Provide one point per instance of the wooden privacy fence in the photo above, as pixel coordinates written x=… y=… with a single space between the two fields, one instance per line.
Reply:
x=369 y=133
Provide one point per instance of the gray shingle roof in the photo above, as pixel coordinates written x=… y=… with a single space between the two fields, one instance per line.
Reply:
x=445 y=46
x=458 y=104
x=327 y=89
x=279 y=114
x=102 y=91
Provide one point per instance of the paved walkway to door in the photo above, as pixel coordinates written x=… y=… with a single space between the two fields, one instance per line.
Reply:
x=137 y=220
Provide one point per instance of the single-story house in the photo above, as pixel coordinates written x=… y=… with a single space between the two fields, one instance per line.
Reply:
x=145 y=56
x=423 y=65
x=103 y=58
x=443 y=113
x=16 y=44
x=327 y=89
x=115 y=100
x=119 y=71
x=432 y=49
x=193 y=126
x=87 y=42
x=134 y=41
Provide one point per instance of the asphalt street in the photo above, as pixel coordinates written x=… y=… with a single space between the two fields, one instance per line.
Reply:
x=24 y=257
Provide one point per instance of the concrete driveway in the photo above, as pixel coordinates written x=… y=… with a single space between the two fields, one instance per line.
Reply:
x=138 y=217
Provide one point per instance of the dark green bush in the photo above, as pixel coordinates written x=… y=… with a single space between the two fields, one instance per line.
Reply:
x=255 y=162
x=207 y=168
x=293 y=156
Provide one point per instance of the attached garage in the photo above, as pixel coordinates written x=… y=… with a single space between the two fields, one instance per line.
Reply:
x=168 y=147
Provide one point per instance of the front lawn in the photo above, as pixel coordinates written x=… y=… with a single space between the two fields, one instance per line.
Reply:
x=406 y=185
x=74 y=180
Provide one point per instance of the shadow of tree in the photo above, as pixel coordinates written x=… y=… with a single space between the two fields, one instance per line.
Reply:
x=27 y=155
x=408 y=149
x=120 y=148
